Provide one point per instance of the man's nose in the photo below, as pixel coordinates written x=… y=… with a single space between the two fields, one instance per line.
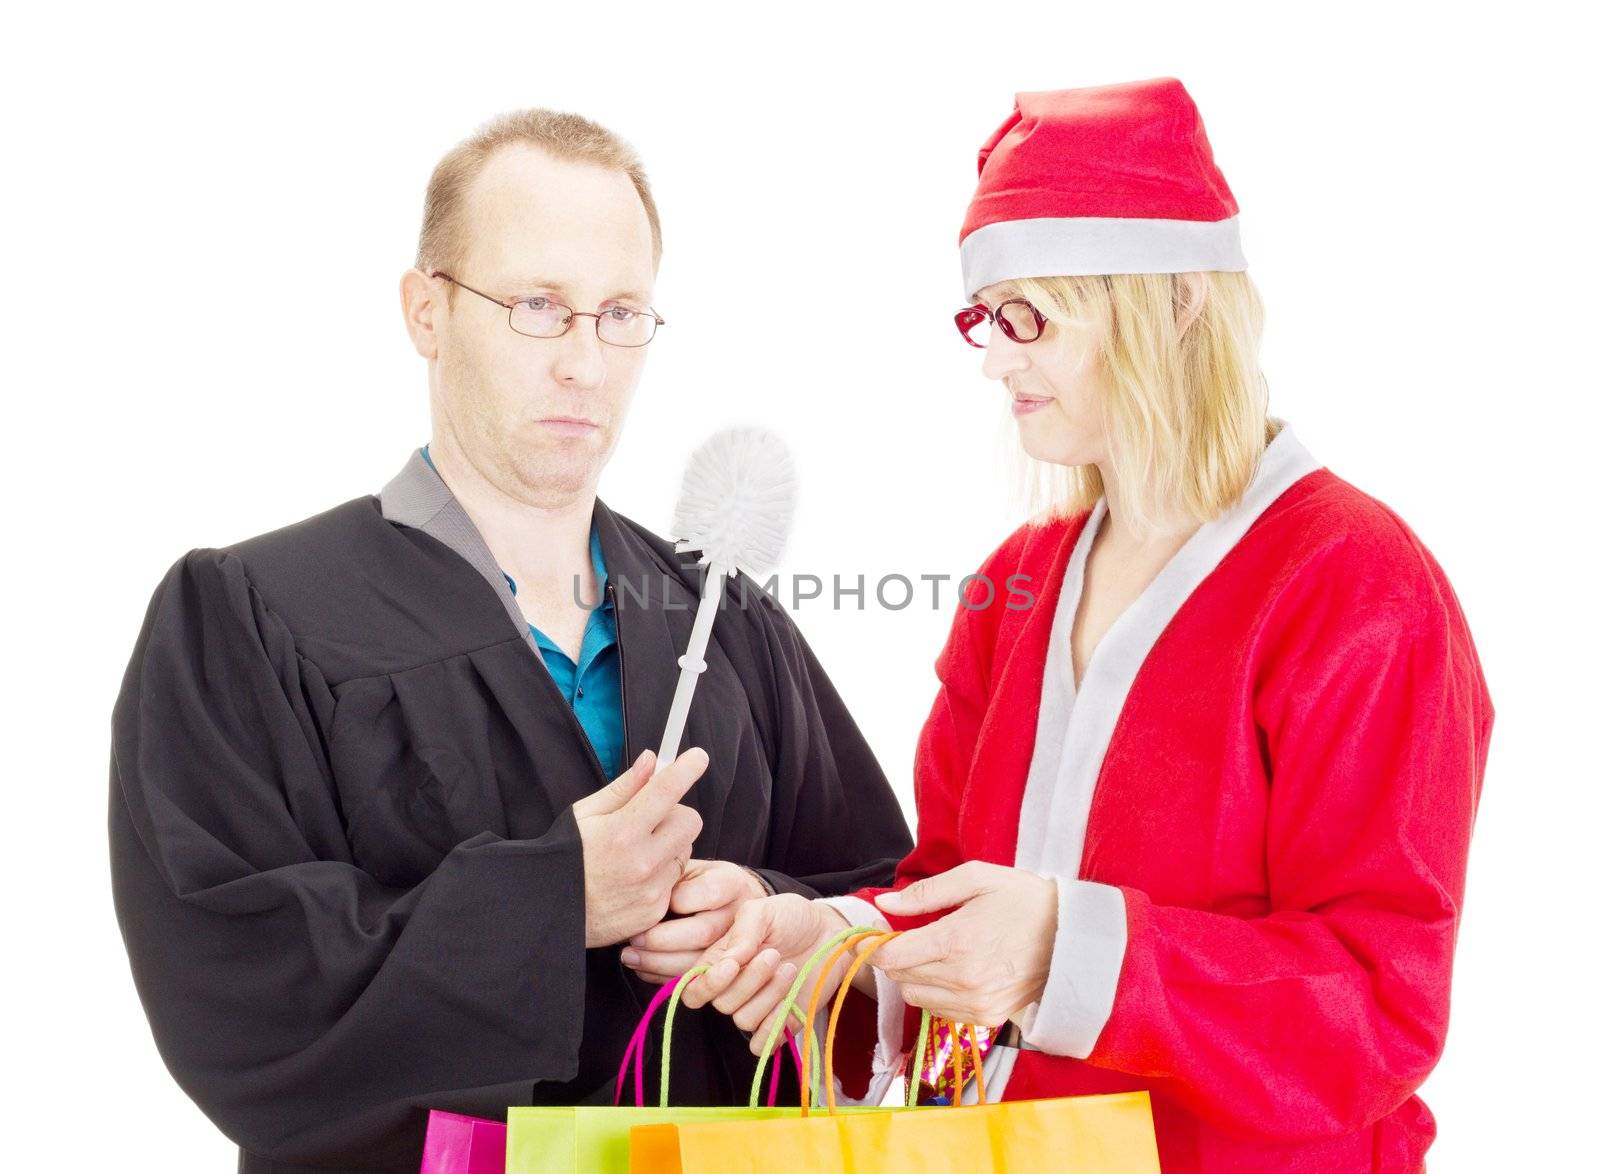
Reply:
x=581 y=357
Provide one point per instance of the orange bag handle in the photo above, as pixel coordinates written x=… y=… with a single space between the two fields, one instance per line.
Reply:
x=788 y=1006
x=875 y=938
x=871 y=943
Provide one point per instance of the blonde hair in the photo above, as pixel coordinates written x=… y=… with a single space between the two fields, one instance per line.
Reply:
x=572 y=137
x=1185 y=417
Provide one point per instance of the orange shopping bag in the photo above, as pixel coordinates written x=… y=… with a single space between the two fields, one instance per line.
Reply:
x=1111 y=1134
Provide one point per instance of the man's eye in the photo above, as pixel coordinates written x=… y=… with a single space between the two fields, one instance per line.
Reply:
x=536 y=303
x=622 y=313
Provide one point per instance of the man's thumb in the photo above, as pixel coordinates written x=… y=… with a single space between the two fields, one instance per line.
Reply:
x=931 y=894
x=615 y=794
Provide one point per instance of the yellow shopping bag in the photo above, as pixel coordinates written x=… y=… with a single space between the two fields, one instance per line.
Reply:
x=1110 y=1134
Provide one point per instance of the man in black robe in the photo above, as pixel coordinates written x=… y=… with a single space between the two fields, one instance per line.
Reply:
x=366 y=856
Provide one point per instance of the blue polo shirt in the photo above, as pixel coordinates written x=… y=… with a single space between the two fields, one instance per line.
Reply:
x=593 y=684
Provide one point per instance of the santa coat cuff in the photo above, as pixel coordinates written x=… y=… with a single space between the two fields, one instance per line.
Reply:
x=1085 y=966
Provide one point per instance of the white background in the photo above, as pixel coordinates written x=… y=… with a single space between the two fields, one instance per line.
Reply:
x=208 y=212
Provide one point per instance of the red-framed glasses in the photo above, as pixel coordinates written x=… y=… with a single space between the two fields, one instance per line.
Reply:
x=1017 y=318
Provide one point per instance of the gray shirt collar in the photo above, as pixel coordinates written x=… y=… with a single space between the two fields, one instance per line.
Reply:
x=418 y=497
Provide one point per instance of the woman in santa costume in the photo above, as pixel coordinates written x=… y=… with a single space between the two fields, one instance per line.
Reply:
x=1195 y=795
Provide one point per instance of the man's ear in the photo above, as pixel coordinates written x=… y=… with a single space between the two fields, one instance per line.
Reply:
x=1189 y=292
x=421 y=305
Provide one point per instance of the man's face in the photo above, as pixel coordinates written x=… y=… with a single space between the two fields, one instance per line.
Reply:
x=539 y=417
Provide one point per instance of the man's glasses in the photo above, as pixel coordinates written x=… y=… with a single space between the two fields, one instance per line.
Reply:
x=540 y=317
x=1017 y=318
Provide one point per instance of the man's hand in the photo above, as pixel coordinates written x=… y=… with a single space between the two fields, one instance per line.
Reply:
x=637 y=840
x=709 y=894
x=987 y=960
x=754 y=963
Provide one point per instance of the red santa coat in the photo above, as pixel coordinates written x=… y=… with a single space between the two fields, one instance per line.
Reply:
x=1257 y=808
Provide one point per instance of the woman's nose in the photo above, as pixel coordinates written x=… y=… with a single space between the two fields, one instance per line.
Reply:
x=1002 y=357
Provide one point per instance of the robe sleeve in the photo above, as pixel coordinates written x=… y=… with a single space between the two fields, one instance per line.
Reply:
x=1325 y=1014
x=310 y=1011
x=836 y=824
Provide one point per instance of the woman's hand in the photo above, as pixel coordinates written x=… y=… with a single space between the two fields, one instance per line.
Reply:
x=709 y=894
x=753 y=965
x=987 y=960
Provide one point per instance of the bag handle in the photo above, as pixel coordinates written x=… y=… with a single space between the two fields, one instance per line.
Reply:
x=871 y=940
x=787 y=1008
x=963 y=1041
x=670 y=993
x=826 y=955
x=913 y=1069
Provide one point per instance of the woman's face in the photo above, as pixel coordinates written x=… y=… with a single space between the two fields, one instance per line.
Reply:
x=1055 y=385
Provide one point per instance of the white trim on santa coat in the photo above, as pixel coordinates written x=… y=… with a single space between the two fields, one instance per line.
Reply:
x=1091 y=931
x=1057 y=695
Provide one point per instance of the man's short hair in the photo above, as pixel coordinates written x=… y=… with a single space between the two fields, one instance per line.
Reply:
x=566 y=136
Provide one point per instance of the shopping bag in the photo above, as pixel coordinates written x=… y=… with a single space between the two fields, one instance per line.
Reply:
x=653 y=1145
x=1108 y=1134
x=595 y=1137
x=457 y=1144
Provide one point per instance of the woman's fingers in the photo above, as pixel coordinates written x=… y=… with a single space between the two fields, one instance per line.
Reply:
x=937 y=1001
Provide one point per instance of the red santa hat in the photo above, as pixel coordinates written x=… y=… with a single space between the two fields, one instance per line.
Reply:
x=1106 y=179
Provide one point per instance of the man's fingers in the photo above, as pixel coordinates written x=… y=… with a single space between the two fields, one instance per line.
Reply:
x=760 y=1004
x=667 y=787
x=696 y=933
x=659 y=961
x=751 y=925
x=782 y=980
x=616 y=794
x=933 y=893
x=749 y=981
x=702 y=988
x=675 y=837
x=710 y=889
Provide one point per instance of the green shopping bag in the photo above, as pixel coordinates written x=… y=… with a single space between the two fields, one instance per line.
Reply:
x=595 y=1137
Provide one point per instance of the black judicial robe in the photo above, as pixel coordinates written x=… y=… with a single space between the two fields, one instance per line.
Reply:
x=344 y=859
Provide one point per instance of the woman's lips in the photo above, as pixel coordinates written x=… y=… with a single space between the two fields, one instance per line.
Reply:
x=1021 y=405
x=569 y=425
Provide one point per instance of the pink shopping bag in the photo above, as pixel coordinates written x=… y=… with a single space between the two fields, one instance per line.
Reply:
x=463 y=1145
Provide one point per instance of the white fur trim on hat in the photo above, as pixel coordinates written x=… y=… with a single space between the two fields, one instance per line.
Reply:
x=1078 y=246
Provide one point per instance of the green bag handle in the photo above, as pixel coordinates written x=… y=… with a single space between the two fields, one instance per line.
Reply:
x=792 y=999
x=666 y=1041
x=666 y=1031
x=787 y=1007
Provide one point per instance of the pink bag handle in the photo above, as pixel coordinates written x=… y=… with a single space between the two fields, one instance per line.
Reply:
x=636 y=1048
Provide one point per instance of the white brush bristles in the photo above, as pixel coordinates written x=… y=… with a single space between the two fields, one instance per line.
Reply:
x=737 y=501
